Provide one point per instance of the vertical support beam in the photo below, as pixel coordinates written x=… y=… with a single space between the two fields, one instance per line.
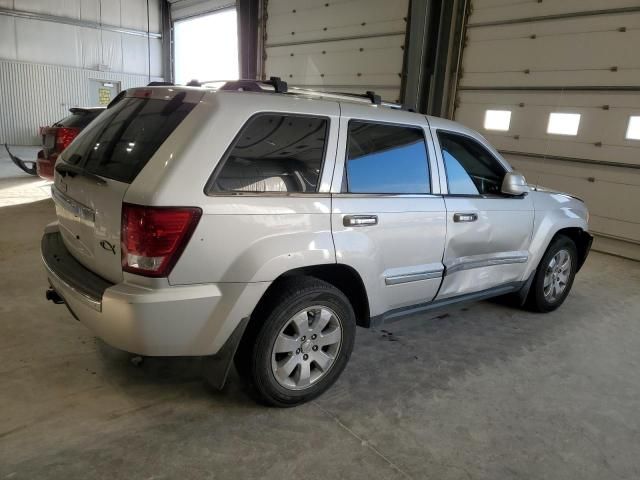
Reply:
x=459 y=42
x=248 y=29
x=167 y=41
x=414 y=54
x=436 y=104
x=431 y=54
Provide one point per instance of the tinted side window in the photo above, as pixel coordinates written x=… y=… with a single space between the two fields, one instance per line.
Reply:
x=471 y=169
x=274 y=153
x=123 y=138
x=386 y=159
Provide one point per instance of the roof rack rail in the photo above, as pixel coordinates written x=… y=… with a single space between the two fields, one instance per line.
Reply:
x=280 y=86
x=369 y=96
x=160 y=84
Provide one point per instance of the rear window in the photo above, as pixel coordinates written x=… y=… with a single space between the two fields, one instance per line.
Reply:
x=78 y=119
x=123 y=139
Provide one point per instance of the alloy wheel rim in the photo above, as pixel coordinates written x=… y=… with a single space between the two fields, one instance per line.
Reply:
x=307 y=347
x=557 y=275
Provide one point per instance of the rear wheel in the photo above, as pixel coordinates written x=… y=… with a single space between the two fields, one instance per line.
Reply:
x=554 y=276
x=300 y=342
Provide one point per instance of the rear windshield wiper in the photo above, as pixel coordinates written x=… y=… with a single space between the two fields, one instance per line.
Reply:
x=65 y=169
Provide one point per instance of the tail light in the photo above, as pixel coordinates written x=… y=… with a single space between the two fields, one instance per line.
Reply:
x=153 y=238
x=64 y=136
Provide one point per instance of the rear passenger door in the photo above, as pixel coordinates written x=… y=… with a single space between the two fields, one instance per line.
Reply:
x=388 y=218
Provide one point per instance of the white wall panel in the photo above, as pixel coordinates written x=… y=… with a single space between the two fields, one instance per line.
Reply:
x=156 y=57
x=8 y=38
x=118 y=13
x=134 y=14
x=112 y=51
x=61 y=8
x=575 y=63
x=134 y=55
x=110 y=11
x=90 y=10
x=47 y=42
x=352 y=46
x=90 y=48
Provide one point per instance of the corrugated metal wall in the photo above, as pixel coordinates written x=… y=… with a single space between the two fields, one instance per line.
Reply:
x=346 y=45
x=32 y=95
x=575 y=56
x=50 y=50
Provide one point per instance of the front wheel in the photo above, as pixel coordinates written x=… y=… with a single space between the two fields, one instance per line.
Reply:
x=301 y=343
x=554 y=276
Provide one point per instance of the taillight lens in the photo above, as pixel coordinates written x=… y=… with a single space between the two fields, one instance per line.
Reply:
x=153 y=238
x=64 y=136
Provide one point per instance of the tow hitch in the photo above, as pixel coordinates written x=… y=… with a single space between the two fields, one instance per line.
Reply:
x=53 y=296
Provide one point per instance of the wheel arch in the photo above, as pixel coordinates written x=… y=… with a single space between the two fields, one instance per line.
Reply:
x=580 y=238
x=343 y=277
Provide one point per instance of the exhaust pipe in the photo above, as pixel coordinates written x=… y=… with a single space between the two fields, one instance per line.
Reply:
x=53 y=296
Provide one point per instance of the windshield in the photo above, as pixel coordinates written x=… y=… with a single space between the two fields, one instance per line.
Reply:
x=120 y=142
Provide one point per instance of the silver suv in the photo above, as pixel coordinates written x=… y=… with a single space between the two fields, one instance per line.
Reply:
x=260 y=225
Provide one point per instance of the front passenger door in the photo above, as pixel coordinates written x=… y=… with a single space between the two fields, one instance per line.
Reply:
x=488 y=233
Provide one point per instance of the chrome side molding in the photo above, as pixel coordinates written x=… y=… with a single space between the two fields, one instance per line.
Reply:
x=425 y=274
x=467 y=263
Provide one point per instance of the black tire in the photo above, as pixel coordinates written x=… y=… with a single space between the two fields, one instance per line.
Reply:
x=254 y=357
x=536 y=299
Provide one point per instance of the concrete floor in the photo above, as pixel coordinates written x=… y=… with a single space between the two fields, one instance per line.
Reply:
x=485 y=392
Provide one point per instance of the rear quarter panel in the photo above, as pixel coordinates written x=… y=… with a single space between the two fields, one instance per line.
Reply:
x=243 y=237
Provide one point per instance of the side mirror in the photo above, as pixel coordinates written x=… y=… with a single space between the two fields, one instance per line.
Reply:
x=514 y=184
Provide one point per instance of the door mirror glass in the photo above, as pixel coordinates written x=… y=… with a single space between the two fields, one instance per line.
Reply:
x=514 y=184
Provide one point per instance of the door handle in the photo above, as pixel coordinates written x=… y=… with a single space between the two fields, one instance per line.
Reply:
x=359 y=220
x=465 y=217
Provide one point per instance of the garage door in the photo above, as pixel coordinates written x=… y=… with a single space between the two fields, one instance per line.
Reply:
x=342 y=45
x=562 y=83
x=181 y=9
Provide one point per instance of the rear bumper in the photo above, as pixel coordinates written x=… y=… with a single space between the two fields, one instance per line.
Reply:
x=168 y=321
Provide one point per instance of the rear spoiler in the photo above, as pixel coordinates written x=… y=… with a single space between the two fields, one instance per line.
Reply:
x=84 y=109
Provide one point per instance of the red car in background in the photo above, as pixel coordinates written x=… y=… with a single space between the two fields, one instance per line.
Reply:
x=58 y=136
